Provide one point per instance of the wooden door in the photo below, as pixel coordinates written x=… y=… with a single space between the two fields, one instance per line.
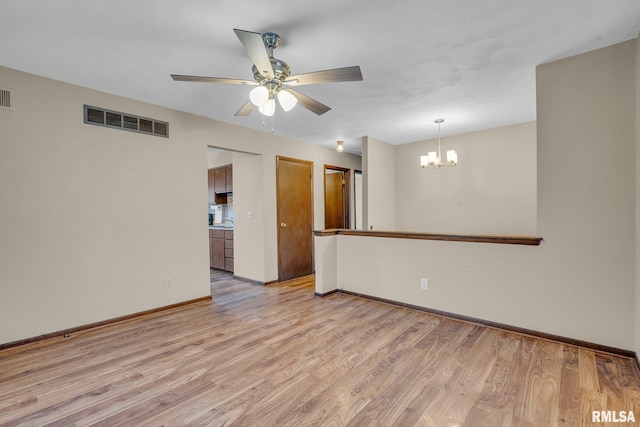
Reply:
x=336 y=197
x=294 y=194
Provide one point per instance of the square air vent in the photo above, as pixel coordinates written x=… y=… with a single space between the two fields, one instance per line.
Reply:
x=7 y=99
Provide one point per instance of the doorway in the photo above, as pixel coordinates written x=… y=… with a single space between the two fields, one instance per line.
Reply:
x=336 y=197
x=294 y=198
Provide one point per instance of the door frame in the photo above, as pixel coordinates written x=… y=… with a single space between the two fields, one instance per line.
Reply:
x=279 y=220
x=346 y=195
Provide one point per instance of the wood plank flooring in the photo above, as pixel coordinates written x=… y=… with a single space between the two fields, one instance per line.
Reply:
x=278 y=356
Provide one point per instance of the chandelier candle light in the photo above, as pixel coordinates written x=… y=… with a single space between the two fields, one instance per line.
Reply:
x=433 y=159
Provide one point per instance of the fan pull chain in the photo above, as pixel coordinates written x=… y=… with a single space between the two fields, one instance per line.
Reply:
x=264 y=123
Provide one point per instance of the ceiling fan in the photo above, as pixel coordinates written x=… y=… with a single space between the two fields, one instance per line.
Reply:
x=273 y=79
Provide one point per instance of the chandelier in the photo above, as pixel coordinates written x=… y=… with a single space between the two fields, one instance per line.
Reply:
x=433 y=159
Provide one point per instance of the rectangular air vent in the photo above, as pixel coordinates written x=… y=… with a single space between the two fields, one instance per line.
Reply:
x=125 y=121
x=7 y=99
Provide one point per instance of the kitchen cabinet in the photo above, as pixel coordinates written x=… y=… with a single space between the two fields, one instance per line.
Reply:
x=211 y=185
x=216 y=249
x=228 y=250
x=219 y=180
x=222 y=179
x=221 y=249
x=228 y=178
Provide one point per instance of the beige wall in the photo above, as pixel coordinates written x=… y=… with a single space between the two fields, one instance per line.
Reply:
x=248 y=206
x=586 y=190
x=491 y=191
x=637 y=289
x=580 y=282
x=487 y=281
x=326 y=257
x=378 y=184
x=219 y=158
x=94 y=219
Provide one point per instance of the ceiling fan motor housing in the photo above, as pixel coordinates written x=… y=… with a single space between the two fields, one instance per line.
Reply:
x=281 y=71
x=271 y=41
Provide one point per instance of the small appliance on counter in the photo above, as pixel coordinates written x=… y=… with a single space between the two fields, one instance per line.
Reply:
x=215 y=214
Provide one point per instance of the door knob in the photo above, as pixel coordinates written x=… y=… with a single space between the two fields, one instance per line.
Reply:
x=283 y=225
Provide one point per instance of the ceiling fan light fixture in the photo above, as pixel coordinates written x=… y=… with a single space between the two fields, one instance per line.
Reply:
x=268 y=108
x=287 y=100
x=259 y=95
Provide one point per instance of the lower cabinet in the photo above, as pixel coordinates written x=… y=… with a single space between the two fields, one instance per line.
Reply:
x=228 y=250
x=221 y=249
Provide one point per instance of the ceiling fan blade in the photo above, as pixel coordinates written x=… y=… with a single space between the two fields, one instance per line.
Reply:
x=257 y=51
x=246 y=109
x=309 y=103
x=346 y=74
x=180 y=78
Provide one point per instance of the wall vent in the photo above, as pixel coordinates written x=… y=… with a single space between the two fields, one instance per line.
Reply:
x=7 y=99
x=125 y=121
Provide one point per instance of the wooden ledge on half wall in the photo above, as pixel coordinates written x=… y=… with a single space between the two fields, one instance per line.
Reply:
x=475 y=238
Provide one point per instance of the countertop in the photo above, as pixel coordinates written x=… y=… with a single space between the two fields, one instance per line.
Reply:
x=221 y=227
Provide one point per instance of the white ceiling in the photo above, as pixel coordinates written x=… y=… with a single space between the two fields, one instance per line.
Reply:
x=471 y=62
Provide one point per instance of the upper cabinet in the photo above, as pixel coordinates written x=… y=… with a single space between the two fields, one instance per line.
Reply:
x=220 y=182
x=212 y=193
x=228 y=177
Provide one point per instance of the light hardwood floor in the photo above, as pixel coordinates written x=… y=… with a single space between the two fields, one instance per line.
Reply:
x=278 y=356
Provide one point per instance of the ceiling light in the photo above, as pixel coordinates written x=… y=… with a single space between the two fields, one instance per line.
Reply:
x=287 y=100
x=263 y=98
x=339 y=146
x=268 y=108
x=259 y=96
x=433 y=159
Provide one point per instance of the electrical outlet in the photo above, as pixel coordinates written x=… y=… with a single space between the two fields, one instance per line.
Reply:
x=424 y=283
x=168 y=283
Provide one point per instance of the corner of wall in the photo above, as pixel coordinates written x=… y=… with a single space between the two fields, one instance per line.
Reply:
x=365 y=183
x=378 y=169
x=637 y=287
